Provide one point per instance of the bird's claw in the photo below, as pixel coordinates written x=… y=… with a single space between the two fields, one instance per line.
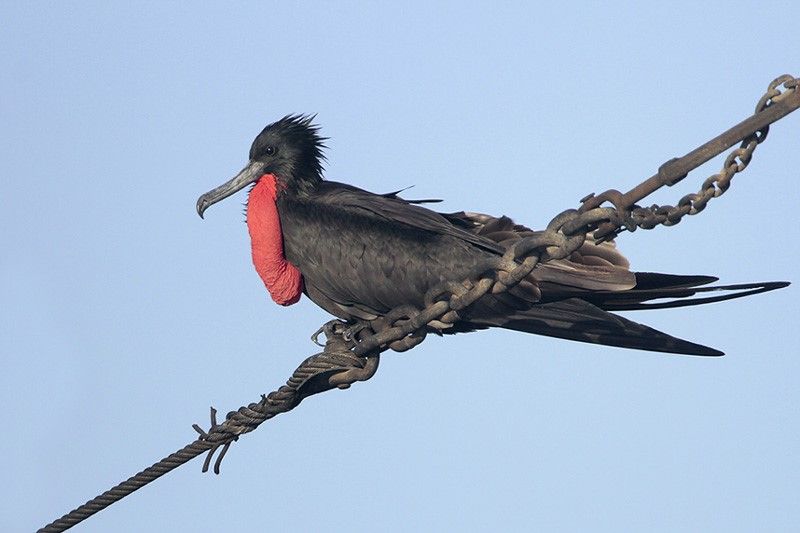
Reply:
x=329 y=329
x=339 y=328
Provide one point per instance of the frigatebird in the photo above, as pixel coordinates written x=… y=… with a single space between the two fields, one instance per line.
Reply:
x=358 y=255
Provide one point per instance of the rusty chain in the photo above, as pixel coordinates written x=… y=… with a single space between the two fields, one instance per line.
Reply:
x=773 y=105
x=405 y=327
x=350 y=357
x=716 y=185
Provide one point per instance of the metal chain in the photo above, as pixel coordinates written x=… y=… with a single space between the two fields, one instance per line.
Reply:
x=405 y=327
x=713 y=187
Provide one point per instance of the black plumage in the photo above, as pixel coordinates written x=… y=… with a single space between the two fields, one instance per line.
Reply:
x=362 y=254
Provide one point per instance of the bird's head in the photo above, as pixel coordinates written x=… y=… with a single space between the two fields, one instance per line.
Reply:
x=289 y=149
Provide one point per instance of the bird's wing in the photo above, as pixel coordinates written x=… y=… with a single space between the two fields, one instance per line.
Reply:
x=592 y=267
x=391 y=208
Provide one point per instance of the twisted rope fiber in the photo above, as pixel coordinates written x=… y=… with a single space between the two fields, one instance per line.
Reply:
x=349 y=358
x=165 y=465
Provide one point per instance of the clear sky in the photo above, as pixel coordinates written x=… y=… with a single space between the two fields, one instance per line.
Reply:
x=123 y=316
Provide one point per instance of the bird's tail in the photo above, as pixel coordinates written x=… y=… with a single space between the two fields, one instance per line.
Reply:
x=674 y=291
x=583 y=315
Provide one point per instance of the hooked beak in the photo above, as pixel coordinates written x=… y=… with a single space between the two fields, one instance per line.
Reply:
x=249 y=174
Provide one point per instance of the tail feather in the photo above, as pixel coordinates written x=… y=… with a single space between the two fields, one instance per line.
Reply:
x=679 y=289
x=657 y=280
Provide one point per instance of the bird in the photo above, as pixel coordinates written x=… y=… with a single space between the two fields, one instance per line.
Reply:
x=358 y=255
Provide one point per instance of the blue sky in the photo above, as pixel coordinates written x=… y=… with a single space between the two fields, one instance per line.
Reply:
x=124 y=316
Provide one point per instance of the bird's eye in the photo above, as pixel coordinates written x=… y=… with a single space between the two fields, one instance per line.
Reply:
x=270 y=150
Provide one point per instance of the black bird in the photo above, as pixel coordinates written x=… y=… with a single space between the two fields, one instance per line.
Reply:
x=358 y=255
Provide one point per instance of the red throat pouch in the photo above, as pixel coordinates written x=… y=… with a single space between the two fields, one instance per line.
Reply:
x=283 y=280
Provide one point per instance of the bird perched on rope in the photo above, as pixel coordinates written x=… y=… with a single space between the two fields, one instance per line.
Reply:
x=358 y=255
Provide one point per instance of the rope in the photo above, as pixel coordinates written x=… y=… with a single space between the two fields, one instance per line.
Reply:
x=349 y=357
x=165 y=465
x=314 y=375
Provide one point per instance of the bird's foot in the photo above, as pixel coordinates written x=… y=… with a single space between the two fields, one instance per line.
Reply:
x=339 y=328
x=329 y=329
